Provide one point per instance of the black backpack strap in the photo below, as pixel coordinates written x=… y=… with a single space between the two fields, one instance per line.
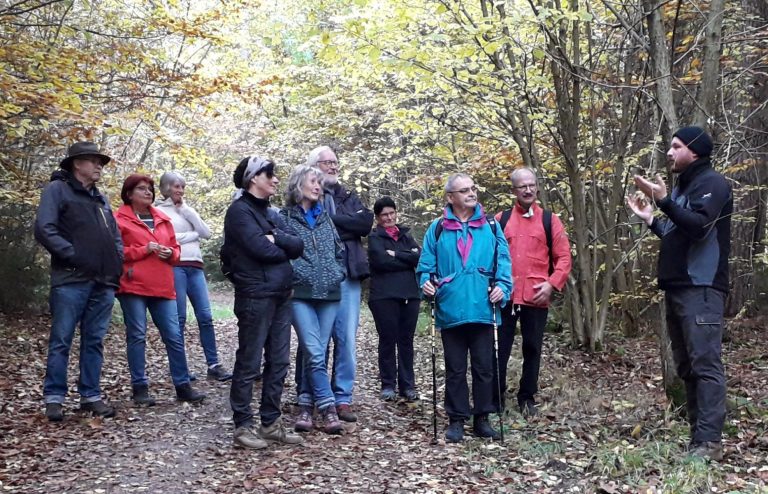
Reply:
x=547 y=220
x=505 y=218
x=494 y=227
x=438 y=230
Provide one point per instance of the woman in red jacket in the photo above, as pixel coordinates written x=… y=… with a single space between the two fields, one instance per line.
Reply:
x=151 y=250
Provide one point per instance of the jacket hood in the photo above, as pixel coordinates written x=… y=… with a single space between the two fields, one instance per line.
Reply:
x=60 y=174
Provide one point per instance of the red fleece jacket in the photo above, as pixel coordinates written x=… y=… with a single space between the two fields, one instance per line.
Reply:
x=530 y=256
x=144 y=273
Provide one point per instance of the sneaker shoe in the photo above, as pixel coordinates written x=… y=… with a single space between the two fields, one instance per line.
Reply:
x=276 y=433
x=98 y=409
x=246 y=437
x=411 y=395
x=481 y=427
x=388 y=394
x=141 y=396
x=709 y=450
x=455 y=431
x=218 y=373
x=187 y=393
x=304 y=421
x=331 y=424
x=528 y=408
x=54 y=412
x=345 y=413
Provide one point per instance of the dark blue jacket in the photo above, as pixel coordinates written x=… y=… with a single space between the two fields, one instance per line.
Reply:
x=259 y=268
x=353 y=221
x=77 y=227
x=318 y=273
x=696 y=235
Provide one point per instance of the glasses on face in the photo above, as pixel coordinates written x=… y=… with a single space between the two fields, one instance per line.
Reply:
x=525 y=187
x=328 y=163
x=465 y=190
x=269 y=172
x=143 y=188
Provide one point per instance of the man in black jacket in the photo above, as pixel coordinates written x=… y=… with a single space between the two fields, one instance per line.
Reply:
x=353 y=221
x=75 y=224
x=258 y=248
x=693 y=272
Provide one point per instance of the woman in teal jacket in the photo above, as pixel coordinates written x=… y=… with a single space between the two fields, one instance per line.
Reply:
x=465 y=265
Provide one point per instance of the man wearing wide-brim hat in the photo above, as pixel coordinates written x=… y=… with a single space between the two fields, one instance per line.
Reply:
x=75 y=224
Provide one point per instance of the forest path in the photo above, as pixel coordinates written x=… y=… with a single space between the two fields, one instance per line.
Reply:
x=603 y=425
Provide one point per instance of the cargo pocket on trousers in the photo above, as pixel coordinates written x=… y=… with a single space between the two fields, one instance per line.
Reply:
x=708 y=320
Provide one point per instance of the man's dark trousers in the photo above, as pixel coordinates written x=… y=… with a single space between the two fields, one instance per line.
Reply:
x=477 y=340
x=533 y=320
x=695 y=321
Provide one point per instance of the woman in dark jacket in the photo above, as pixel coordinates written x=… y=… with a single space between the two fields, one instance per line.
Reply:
x=258 y=248
x=394 y=299
x=317 y=277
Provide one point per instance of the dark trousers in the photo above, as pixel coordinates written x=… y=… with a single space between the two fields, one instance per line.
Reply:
x=396 y=325
x=264 y=324
x=477 y=341
x=533 y=320
x=695 y=321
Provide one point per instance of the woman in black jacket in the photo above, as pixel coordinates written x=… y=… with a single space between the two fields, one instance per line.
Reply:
x=394 y=299
x=258 y=248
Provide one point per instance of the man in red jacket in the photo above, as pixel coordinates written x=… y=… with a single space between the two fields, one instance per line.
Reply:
x=541 y=263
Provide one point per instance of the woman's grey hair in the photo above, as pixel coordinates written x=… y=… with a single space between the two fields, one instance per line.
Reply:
x=452 y=179
x=515 y=176
x=167 y=180
x=299 y=176
x=314 y=155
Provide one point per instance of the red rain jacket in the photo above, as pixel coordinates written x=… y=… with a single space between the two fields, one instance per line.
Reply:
x=144 y=273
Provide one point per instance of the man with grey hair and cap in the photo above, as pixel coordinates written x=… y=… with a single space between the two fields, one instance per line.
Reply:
x=693 y=272
x=353 y=221
x=75 y=224
x=256 y=257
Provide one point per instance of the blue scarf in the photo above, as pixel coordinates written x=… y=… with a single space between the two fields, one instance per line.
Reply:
x=312 y=214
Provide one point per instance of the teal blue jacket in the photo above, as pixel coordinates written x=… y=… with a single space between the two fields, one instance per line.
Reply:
x=462 y=262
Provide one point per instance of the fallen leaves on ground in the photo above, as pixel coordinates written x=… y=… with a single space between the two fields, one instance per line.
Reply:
x=603 y=427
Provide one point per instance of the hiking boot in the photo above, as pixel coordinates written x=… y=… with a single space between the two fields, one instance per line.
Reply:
x=481 y=427
x=455 y=431
x=98 y=409
x=192 y=377
x=218 y=373
x=141 y=396
x=708 y=450
x=345 y=413
x=246 y=437
x=304 y=422
x=187 y=393
x=411 y=395
x=528 y=408
x=54 y=412
x=331 y=424
x=388 y=394
x=276 y=433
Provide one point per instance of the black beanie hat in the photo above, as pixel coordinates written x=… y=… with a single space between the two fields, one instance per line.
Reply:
x=696 y=139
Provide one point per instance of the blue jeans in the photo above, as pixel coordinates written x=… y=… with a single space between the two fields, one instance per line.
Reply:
x=344 y=334
x=89 y=304
x=264 y=325
x=190 y=282
x=313 y=320
x=163 y=312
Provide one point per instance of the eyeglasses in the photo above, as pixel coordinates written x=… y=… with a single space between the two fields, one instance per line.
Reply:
x=465 y=190
x=525 y=187
x=143 y=188
x=269 y=171
x=328 y=163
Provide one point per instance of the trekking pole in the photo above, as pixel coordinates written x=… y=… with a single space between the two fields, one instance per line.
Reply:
x=434 y=369
x=498 y=373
